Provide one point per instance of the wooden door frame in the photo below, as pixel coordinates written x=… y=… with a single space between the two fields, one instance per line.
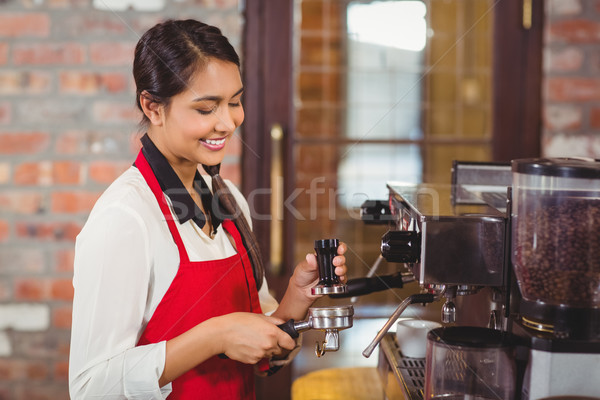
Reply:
x=517 y=83
x=268 y=79
x=267 y=74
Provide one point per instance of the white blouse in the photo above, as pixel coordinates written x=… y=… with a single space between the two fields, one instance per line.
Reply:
x=125 y=260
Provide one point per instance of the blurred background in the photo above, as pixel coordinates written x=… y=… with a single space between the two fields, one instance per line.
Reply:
x=341 y=97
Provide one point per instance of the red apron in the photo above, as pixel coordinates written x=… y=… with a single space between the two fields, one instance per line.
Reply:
x=202 y=290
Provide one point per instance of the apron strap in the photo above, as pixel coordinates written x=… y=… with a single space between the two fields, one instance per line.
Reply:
x=142 y=164
x=230 y=227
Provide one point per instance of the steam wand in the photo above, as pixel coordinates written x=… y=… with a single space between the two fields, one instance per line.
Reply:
x=413 y=299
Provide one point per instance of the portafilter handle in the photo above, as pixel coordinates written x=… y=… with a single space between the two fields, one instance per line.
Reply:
x=293 y=328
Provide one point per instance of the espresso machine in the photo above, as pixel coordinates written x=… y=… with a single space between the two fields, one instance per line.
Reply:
x=512 y=248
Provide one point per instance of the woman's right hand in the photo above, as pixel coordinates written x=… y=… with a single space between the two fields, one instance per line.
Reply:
x=250 y=337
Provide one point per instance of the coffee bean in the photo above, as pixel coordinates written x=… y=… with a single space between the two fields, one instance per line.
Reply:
x=556 y=246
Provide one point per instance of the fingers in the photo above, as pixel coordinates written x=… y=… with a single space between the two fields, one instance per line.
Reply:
x=273 y=320
x=342 y=248
x=311 y=259
x=340 y=262
x=284 y=340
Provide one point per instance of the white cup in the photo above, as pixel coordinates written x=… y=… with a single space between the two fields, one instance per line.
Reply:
x=411 y=335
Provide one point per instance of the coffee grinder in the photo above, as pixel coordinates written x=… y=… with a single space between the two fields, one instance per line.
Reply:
x=555 y=252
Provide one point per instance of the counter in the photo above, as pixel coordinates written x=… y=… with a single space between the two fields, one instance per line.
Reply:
x=339 y=384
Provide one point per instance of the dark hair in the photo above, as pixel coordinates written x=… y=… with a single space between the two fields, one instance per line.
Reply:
x=169 y=53
x=166 y=57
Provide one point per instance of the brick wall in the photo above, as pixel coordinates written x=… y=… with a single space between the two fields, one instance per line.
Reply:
x=68 y=127
x=571 y=98
x=68 y=124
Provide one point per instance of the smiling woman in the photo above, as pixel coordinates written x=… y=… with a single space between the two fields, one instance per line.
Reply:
x=193 y=128
x=170 y=293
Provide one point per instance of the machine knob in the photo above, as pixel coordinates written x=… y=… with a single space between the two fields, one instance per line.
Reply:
x=401 y=246
x=375 y=212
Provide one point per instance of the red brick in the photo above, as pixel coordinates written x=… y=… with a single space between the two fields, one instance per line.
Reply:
x=5 y=172
x=63 y=260
x=43 y=391
x=68 y=3
x=37 y=289
x=115 y=113
x=575 y=31
x=62 y=289
x=114 y=82
x=12 y=369
x=20 y=202
x=69 y=143
x=61 y=317
x=107 y=171
x=112 y=53
x=93 y=24
x=24 y=82
x=66 y=173
x=24 y=24
x=53 y=231
x=48 y=173
x=565 y=60
x=48 y=54
x=5 y=294
x=31 y=289
x=61 y=370
x=73 y=202
x=595 y=118
x=82 y=82
x=36 y=370
x=573 y=89
x=4 y=230
x=5 y=114
x=33 y=173
x=3 y=53
x=23 y=142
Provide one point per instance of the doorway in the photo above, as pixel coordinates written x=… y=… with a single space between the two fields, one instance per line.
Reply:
x=319 y=138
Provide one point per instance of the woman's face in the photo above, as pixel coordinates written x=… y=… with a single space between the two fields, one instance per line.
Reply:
x=199 y=122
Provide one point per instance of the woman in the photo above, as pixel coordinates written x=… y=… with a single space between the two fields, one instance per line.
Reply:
x=170 y=295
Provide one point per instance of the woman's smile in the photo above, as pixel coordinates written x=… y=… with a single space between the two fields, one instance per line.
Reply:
x=214 y=144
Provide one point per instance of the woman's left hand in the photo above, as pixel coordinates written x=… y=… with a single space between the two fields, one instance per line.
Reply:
x=306 y=274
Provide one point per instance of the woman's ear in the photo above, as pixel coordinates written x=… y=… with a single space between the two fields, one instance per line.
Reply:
x=151 y=108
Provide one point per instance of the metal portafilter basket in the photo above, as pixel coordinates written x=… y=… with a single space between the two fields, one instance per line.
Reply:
x=328 y=319
x=331 y=320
